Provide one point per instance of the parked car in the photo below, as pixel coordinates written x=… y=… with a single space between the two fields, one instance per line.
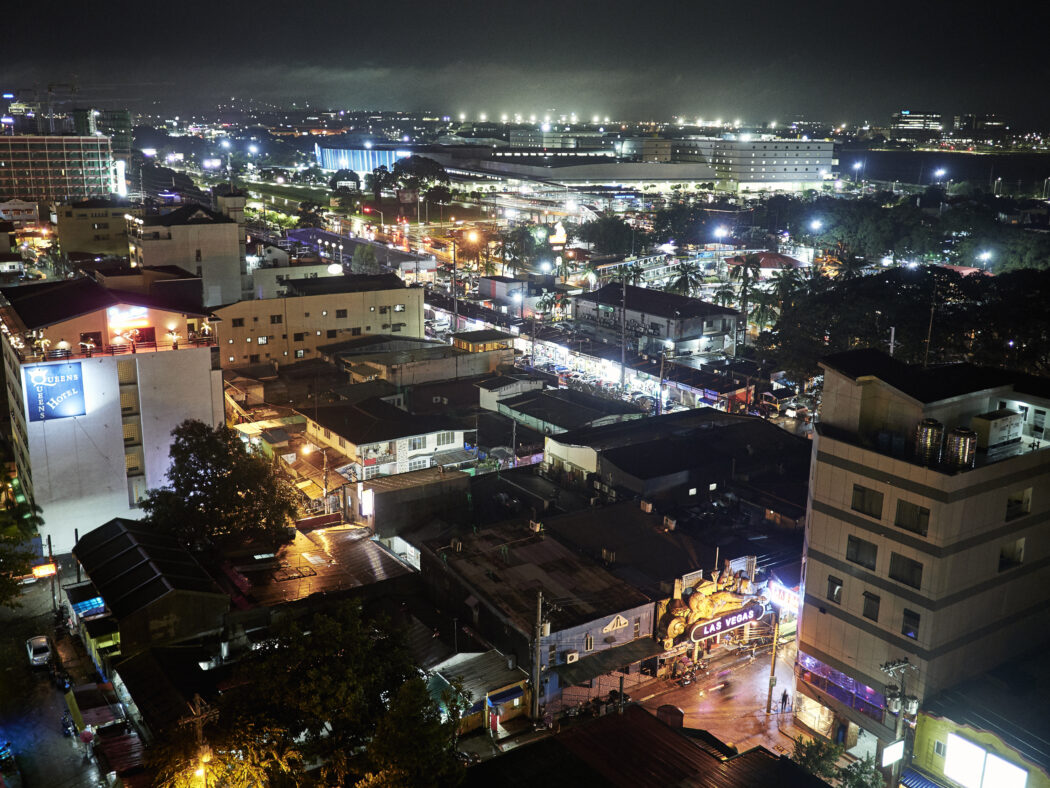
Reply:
x=39 y=650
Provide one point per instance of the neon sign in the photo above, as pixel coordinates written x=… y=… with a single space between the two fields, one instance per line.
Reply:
x=782 y=597
x=702 y=630
x=54 y=391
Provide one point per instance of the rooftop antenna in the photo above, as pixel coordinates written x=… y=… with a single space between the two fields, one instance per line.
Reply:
x=929 y=330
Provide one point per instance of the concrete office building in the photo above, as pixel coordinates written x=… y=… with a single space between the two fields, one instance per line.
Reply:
x=925 y=541
x=909 y=125
x=95 y=385
x=748 y=163
x=97 y=226
x=316 y=312
x=56 y=169
x=196 y=239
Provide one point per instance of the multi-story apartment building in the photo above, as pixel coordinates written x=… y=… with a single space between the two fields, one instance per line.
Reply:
x=95 y=226
x=195 y=239
x=56 y=169
x=317 y=312
x=926 y=539
x=657 y=320
x=21 y=213
x=748 y=163
x=96 y=381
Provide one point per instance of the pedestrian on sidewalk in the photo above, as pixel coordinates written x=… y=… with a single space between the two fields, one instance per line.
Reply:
x=783 y=701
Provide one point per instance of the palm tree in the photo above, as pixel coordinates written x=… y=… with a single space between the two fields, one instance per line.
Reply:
x=764 y=312
x=851 y=268
x=785 y=284
x=687 y=279
x=550 y=302
x=746 y=273
x=815 y=282
x=725 y=294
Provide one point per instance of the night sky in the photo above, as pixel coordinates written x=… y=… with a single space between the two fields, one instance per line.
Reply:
x=759 y=61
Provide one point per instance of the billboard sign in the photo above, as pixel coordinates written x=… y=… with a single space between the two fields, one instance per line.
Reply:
x=701 y=630
x=54 y=391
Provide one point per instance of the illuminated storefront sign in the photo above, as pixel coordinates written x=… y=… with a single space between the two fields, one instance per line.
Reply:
x=782 y=597
x=54 y=391
x=44 y=570
x=702 y=630
x=123 y=319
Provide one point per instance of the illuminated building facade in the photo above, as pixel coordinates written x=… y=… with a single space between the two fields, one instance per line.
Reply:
x=361 y=160
x=910 y=125
x=317 y=312
x=96 y=381
x=56 y=169
x=760 y=164
x=925 y=540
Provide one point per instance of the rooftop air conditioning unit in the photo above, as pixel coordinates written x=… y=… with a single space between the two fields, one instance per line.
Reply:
x=572 y=656
x=535 y=526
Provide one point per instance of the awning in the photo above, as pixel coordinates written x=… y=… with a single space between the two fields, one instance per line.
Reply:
x=506 y=696
x=912 y=779
x=607 y=661
x=310 y=489
x=453 y=457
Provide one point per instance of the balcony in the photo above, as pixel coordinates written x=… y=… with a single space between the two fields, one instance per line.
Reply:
x=112 y=350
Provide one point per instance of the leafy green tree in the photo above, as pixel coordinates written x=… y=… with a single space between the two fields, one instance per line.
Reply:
x=342 y=176
x=219 y=493
x=309 y=215
x=764 y=310
x=861 y=774
x=378 y=179
x=15 y=562
x=417 y=172
x=19 y=522
x=328 y=681
x=817 y=756
x=413 y=742
x=439 y=194
x=364 y=260
x=610 y=234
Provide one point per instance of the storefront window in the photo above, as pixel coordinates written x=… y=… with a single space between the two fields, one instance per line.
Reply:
x=841 y=687
x=813 y=715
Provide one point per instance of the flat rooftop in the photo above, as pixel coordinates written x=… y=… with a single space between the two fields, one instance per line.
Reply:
x=507 y=564
x=566 y=408
x=325 y=560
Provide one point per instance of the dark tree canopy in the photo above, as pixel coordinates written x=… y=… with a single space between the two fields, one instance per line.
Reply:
x=611 y=235
x=415 y=172
x=217 y=492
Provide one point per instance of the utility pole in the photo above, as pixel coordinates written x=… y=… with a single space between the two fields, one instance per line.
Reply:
x=623 y=331
x=455 y=295
x=893 y=338
x=660 y=390
x=898 y=669
x=773 y=662
x=537 y=634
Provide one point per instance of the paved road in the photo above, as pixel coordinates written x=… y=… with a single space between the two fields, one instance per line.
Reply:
x=31 y=707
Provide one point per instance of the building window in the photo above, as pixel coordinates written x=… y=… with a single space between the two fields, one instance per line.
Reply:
x=340 y=313
x=198 y=256
x=905 y=570
x=871 y=606
x=417 y=443
x=861 y=552
x=1011 y=554
x=939 y=748
x=383 y=310
x=867 y=501
x=331 y=333
x=299 y=337
x=399 y=307
x=445 y=438
x=637 y=628
x=912 y=517
x=419 y=464
x=588 y=642
x=355 y=331
x=253 y=358
x=237 y=322
x=1019 y=503
x=300 y=353
x=835 y=589
x=910 y=625
x=276 y=319
x=324 y=313
x=263 y=340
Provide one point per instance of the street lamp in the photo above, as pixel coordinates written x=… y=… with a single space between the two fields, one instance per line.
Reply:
x=721 y=232
x=815 y=225
x=940 y=173
x=309 y=449
x=984 y=257
x=857 y=165
x=519 y=296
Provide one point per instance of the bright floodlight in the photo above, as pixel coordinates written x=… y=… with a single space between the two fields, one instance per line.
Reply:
x=516 y=295
x=545 y=266
x=335 y=268
x=225 y=144
x=856 y=165
x=984 y=257
x=253 y=149
x=721 y=232
x=815 y=225
x=472 y=236
x=941 y=173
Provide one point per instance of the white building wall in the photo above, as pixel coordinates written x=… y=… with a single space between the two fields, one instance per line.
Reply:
x=220 y=263
x=78 y=463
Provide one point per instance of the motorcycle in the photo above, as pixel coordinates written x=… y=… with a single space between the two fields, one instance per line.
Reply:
x=68 y=728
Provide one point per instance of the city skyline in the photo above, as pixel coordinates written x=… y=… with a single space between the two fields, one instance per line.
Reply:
x=761 y=63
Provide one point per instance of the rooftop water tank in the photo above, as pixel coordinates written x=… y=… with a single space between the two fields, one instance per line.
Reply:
x=961 y=449
x=929 y=436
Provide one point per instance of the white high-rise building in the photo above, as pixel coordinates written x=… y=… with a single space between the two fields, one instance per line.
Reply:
x=926 y=539
x=96 y=381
